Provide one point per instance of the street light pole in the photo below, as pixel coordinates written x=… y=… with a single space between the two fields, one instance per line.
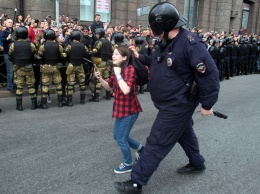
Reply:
x=58 y=13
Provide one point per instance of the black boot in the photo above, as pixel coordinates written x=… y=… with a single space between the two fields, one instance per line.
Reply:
x=82 y=98
x=108 y=96
x=19 y=104
x=34 y=103
x=60 y=99
x=0 y=110
x=141 y=90
x=95 y=98
x=43 y=104
x=69 y=101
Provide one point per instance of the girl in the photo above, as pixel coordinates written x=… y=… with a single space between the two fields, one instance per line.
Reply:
x=126 y=106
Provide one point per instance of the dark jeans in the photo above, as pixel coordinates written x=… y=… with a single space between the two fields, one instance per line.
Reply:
x=10 y=73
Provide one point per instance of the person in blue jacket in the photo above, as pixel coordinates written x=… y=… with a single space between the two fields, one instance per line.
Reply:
x=181 y=61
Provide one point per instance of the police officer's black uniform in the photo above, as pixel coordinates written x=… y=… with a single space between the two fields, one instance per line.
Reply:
x=233 y=58
x=184 y=57
x=221 y=64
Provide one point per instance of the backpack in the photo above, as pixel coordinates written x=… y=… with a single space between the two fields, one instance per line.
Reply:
x=141 y=71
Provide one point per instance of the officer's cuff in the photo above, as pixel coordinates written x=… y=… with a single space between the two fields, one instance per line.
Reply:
x=206 y=107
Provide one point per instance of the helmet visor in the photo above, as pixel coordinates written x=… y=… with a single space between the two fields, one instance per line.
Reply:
x=157 y=26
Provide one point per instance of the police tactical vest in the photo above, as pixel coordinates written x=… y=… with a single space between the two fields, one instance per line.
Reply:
x=51 y=53
x=22 y=55
x=234 y=50
x=213 y=50
x=77 y=53
x=105 y=52
x=241 y=50
x=253 y=50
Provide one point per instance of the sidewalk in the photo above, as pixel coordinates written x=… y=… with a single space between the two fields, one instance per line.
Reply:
x=4 y=93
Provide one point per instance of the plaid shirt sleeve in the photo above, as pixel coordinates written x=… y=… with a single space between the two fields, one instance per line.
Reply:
x=125 y=105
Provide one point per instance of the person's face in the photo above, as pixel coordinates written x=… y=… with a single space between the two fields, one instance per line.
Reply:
x=97 y=18
x=9 y=23
x=85 y=32
x=20 y=17
x=117 y=58
x=42 y=24
x=16 y=25
x=60 y=39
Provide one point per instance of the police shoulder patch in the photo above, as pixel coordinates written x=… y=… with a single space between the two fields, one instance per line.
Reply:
x=201 y=68
x=191 y=39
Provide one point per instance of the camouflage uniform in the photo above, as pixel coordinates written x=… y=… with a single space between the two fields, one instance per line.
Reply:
x=102 y=63
x=75 y=71
x=50 y=71
x=23 y=74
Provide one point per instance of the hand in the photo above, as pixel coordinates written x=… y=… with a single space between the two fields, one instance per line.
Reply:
x=9 y=37
x=117 y=70
x=97 y=74
x=132 y=48
x=205 y=112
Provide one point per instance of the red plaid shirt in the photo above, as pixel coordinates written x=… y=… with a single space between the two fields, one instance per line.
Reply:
x=125 y=105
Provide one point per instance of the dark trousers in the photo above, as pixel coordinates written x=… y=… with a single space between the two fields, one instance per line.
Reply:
x=168 y=129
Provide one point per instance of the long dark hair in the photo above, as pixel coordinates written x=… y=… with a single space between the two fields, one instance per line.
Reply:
x=125 y=52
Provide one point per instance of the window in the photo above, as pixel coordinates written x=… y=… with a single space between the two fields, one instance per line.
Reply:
x=191 y=12
x=88 y=8
x=245 y=12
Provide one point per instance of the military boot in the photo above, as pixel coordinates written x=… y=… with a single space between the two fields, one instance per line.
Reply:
x=108 y=95
x=60 y=99
x=69 y=101
x=82 y=98
x=34 y=103
x=43 y=104
x=95 y=98
x=19 y=104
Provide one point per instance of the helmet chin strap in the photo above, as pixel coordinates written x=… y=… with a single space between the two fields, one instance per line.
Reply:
x=165 y=36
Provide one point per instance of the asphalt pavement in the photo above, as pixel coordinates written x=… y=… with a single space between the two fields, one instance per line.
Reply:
x=71 y=150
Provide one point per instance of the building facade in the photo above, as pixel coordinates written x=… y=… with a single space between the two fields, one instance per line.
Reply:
x=208 y=15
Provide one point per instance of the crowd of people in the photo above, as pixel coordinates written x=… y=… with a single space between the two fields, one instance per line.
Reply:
x=38 y=51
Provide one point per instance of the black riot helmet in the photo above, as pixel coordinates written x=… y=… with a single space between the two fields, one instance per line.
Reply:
x=76 y=35
x=119 y=37
x=163 y=17
x=139 y=40
x=254 y=41
x=212 y=41
x=223 y=41
x=21 y=32
x=101 y=32
x=49 y=34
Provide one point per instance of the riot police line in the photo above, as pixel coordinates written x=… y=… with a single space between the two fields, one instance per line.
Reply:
x=234 y=55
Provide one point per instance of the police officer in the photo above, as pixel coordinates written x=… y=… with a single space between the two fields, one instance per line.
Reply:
x=102 y=53
x=252 y=56
x=181 y=57
x=233 y=57
x=22 y=54
x=227 y=57
x=51 y=53
x=257 y=70
x=240 y=56
x=75 y=52
x=141 y=49
x=246 y=56
x=221 y=64
x=213 y=49
x=119 y=39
